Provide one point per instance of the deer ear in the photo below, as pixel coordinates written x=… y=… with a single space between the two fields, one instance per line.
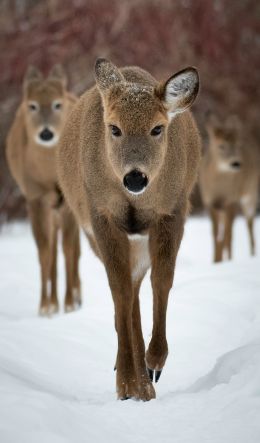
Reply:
x=57 y=73
x=32 y=74
x=179 y=91
x=233 y=123
x=106 y=74
x=213 y=124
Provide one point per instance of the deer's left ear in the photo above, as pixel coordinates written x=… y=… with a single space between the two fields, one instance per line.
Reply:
x=179 y=91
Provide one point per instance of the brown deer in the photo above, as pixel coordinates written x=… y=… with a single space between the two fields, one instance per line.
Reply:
x=228 y=181
x=127 y=162
x=31 y=146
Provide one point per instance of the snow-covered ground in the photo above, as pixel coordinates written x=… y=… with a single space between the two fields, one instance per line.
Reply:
x=57 y=383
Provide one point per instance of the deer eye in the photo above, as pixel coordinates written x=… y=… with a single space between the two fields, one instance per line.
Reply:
x=157 y=130
x=57 y=106
x=115 y=131
x=33 y=106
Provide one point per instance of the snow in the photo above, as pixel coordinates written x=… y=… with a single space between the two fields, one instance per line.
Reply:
x=57 y=383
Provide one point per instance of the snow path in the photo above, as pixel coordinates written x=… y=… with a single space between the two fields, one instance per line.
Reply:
x=57 y=383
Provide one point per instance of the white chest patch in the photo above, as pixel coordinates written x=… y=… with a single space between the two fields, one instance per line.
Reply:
x=139 y=255
x=88 y=230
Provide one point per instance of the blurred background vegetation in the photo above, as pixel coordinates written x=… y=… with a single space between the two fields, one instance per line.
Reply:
x=220 y=37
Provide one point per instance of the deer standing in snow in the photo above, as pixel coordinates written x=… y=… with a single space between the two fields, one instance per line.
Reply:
x=229 y=177
x=127 y=162
x=31 y=146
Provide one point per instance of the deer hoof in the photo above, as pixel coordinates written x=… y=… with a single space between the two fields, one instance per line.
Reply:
x=53 y=308
x=77 y=297
x=157 y=375
x=44 y=311
x=69 y=308
x=147 y=392
x=150 y=373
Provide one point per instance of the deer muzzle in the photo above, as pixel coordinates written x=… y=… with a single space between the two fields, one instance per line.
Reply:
x=135 y=182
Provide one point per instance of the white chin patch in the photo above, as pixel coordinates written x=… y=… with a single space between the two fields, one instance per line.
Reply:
x=47 y=143
x=136 y=193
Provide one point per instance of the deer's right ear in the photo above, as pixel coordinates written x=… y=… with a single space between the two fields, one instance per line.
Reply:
x=212 y=124
x=106 y=74
x=31 y=74
x=179 y=91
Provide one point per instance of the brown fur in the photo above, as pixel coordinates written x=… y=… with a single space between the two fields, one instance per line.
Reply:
x=33 y=167
x=92 y=164
x=224 y=188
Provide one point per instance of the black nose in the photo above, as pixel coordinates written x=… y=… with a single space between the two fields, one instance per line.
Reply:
x=236 y=165
x=135 y=181
x=46 y=135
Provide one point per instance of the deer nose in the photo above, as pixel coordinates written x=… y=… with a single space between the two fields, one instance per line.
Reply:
x=46 y=135
x=135 y=181
x=236 y=165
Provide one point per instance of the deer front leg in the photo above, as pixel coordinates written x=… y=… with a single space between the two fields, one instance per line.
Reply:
x=43 y=231
x=114 y=247
x=229 y=219
x=218 y=230
x=146 y=387
x=165 y=240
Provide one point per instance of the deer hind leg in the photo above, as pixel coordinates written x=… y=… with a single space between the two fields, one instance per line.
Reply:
x=54 y=303
x=250 y=225
x=165 y=240
x=229 y=219
x=146 y=387
x=218 y=229
x=42 y=227
x=69 y=243
x=248 y=205
x=76 y=279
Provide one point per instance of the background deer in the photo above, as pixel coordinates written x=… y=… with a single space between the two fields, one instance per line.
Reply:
x=127 y=163
x=229 y=177
x=31 y=146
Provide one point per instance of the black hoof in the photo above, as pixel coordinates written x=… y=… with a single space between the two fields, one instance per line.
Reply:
x=157 y=375
x=150 y=373
x=124 y=398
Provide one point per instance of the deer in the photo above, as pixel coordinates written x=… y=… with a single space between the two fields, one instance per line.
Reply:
x=127 y=162
x=228 y=181
x=30 y=151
